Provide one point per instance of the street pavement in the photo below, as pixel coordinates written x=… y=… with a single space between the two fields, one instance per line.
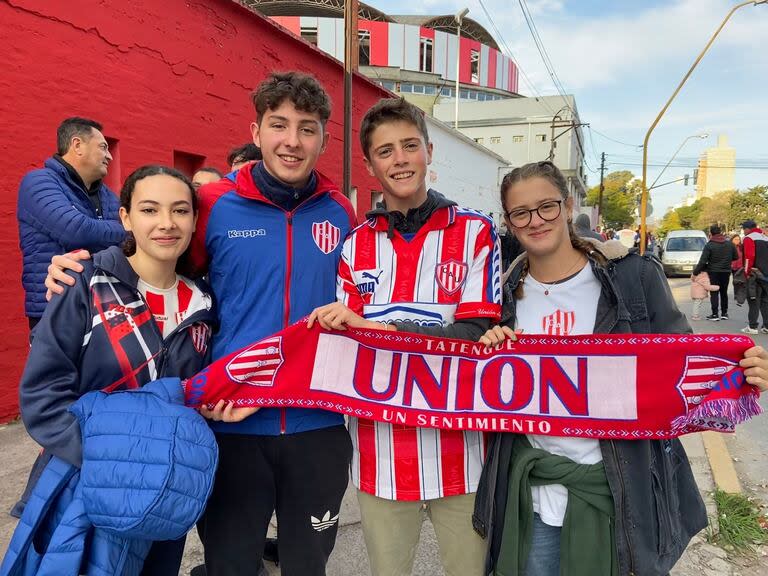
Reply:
x=349 y=559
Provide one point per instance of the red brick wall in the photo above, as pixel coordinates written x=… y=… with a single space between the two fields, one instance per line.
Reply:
x=160 y=76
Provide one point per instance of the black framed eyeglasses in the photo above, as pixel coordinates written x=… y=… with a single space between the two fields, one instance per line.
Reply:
x=548 y=211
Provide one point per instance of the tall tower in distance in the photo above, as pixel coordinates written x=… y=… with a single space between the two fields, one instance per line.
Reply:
x=717 y=169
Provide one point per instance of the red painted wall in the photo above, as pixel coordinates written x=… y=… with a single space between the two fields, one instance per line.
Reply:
x=162 y=77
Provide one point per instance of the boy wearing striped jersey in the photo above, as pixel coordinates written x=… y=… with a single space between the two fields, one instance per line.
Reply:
x=419 y=264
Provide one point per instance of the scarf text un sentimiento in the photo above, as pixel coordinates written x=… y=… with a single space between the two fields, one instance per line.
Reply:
x=629 y=386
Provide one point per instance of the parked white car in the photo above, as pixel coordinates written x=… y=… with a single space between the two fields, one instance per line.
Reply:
x=681 y=251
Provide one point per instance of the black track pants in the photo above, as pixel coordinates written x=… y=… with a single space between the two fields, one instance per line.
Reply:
x=302 y=477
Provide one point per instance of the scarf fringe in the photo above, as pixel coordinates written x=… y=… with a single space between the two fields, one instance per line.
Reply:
x=722 y=414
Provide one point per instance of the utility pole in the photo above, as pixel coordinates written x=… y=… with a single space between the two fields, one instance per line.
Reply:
x=351 y=56
x=602 y=188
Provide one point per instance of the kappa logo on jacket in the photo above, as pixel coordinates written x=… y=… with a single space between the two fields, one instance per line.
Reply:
x=450 y=275
x=325 y=522
x=257 y=365
x=326 y=236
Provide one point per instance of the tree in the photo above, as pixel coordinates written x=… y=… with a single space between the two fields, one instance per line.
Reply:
x=619 y=199
x=752 y=203
x=716 y=210
x=671 y=221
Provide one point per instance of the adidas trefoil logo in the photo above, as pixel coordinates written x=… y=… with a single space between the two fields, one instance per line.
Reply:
x=325 y=523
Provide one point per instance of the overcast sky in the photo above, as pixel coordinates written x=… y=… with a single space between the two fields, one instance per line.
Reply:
x=623 y=59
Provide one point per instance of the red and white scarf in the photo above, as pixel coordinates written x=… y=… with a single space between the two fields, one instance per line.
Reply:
x=597 y=386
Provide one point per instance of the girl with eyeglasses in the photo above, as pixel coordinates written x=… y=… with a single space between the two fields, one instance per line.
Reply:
x=555 y=505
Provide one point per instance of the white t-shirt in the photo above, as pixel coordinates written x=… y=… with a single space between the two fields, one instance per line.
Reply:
x=169 y=306
x=569 y=308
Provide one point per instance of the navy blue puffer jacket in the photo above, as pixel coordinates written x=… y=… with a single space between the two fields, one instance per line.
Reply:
x=55 y=216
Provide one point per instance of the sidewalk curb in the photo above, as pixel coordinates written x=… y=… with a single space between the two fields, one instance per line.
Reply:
x=721 y=463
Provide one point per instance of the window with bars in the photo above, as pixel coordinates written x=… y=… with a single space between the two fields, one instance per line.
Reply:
x=364 y=47
x=425 y=54
x=518 y=139
x=541 y=137
x=309 y=33
x=496 y=139
x=474 y=66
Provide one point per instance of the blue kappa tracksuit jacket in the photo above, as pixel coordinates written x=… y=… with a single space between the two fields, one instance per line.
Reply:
x=268 y=268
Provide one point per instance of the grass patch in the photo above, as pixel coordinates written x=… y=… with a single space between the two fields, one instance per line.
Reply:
x=741 y=524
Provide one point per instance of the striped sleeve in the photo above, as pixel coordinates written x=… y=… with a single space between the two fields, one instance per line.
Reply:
x=481 y=294
x=346 y=289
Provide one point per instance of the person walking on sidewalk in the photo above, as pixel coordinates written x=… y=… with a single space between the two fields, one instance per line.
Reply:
x=755 y=270
x=716 y=260
x=700 y=287
x=737 y=264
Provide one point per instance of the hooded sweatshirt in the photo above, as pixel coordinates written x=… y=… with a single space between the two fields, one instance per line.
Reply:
x=717 y=256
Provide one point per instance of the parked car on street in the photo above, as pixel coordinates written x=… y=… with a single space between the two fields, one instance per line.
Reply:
x=681 y=251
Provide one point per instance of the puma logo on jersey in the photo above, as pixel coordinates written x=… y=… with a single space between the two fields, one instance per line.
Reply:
x=324 y=523
x=369 y=286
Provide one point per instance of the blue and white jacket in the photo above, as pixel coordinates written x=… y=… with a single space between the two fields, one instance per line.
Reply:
x=100 y=335
x=55 y=216
x=268 y=268
x=148 y=469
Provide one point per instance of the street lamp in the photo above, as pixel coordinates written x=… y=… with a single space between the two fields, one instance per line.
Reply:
x=459 y=17
x=644 y=198
x=703 y=136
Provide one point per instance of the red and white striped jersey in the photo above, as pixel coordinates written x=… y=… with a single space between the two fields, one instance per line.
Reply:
x=448 y=271
x=169 y=306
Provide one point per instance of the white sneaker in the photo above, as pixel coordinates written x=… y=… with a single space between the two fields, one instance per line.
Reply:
x=764 y=330
x=748 y=330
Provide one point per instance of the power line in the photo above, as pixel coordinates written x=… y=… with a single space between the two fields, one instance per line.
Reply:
x=542 y=51
x=708 y=167
x=528 y=81
x=617 y=141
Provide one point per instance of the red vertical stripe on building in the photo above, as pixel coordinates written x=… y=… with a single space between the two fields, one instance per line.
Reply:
x=464 y=50
x=513 y=79
x=366 y=443
x=492 y=55
x=452 y=462
x=405 y=450
x=292 y=23
x=379 y=41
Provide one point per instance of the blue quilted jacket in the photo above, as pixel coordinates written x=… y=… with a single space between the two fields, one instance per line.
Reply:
x=148 y=470
x=55 y=216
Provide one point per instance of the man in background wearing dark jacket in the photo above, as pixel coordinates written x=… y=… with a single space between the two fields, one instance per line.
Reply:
x=716 y=260
x=65 y=206
x=62 y=207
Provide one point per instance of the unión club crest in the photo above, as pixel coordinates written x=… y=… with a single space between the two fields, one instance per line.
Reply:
x=257 y=365
x=702 y=374
x=559 y=323
x=200 y=334
x=450 y=275
x=326 y=236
